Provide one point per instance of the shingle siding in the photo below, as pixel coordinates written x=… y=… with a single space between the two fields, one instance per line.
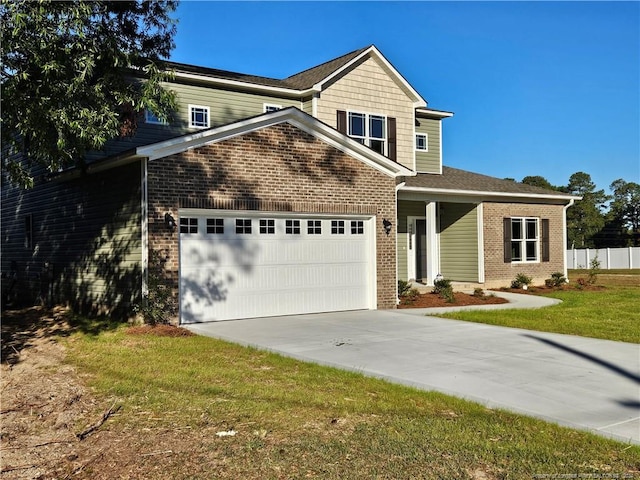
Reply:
x=88 y=231
x=278 y=168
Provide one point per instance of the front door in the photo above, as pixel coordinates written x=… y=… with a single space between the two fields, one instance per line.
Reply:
x=421 y=249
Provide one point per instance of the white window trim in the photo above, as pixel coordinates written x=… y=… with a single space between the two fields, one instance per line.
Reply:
x=426 y=142
x=266 y=106
x=367 y=138
x=203 y=107
x=523 y=241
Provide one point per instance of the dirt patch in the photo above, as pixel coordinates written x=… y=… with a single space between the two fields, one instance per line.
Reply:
x=432 y=300
x=160 y=331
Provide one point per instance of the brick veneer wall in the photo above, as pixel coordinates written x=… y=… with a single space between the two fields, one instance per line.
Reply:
x=278 y=169
x=497 y=272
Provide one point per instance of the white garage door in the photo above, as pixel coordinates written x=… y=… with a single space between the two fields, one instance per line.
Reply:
x=248 y=264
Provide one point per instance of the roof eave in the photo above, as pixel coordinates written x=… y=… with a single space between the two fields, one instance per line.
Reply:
x=485 y=194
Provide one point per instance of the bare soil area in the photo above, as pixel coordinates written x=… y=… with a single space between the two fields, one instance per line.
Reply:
x=51 y=426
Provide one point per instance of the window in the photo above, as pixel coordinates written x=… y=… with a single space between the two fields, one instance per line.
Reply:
x=198 y=116
x=292 y=227
x=337 y=227
x=188 y=225
x=524 y=240
x=370 y=130
x=150 y=117
x=243 y=225
x=422 y=143
x=314 y=227
x=267 y=226
x=357 y=227
x=271 y=108
x=28 y=232
x=215 y=225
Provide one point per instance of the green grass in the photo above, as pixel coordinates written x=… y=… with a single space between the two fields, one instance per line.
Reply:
x=297 y=420
x=612 y=313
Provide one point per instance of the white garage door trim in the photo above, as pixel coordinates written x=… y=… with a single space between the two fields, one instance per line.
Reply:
x=229 y=273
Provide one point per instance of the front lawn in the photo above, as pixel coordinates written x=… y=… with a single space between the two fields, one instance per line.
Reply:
x=611 y=313
x=195 y=407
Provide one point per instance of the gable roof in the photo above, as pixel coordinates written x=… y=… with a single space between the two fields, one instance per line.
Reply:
x=291 y=115
x=454 y=181
x=303 y=83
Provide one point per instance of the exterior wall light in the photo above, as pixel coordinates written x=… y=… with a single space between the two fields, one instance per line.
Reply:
x=170 y=222
x=387 y=226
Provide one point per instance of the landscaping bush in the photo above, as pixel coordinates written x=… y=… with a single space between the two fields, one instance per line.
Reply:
x=403 y=288
x=521 y=281
x=594 y=269
x=443 y=288
x=478 y=292
x=557 y=280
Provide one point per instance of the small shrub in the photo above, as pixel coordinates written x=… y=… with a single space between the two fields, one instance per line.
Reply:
x=557 y=280
x=581 y=283
x=159 y=305
x=478 y=292
x=403 y=288
x=447 y=295
x=594 y=269
x=521 y=281
x=441 y=284
x=410 y=296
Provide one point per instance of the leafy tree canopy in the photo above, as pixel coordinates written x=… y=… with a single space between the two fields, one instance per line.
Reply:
x=585 y=218
x=68 y=71
x=538 y=181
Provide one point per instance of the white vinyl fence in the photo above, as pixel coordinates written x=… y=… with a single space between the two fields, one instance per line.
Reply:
x=624 y=257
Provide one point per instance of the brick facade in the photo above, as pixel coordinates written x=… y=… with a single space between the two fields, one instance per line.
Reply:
x=277 y=169
x=497 y=272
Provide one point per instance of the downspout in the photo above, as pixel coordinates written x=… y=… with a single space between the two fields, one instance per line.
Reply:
x=144 y=212
x=564 y=237
x=398 y=187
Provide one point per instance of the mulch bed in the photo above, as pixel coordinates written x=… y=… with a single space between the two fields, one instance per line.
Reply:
x=432 y=300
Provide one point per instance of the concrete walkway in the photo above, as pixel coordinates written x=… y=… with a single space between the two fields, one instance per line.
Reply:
x=580 y=382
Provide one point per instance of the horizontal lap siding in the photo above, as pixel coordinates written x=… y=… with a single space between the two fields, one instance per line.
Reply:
x=368 y=88
x=429 y=162
x=88 y=230
x=459 y=241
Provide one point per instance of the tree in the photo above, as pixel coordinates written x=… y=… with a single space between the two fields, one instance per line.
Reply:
x=538 y=181
x=624 y=211
x=585 y=217
x=77 y=74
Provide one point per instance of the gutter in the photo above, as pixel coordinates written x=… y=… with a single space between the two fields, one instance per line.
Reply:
x=564 y=235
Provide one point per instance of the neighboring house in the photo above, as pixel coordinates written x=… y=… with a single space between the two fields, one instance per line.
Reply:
x=269 y=197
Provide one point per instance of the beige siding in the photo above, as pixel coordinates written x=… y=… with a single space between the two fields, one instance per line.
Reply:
x=368 y=88
x=429 y=161
x=405 y=209
x=459 y=241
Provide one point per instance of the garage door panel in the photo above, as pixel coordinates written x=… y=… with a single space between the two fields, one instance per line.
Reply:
x=231 y=275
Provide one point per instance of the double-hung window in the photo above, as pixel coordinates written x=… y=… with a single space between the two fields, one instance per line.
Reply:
x=370 y=130
x=198 y=116
x=525 y=240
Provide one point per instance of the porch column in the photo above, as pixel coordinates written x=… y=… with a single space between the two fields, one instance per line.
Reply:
x=433 y=262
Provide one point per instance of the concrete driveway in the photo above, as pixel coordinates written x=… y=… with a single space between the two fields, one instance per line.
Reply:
x=580 y=382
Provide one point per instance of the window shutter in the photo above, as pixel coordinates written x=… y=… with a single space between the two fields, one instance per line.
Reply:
x=391 y=126
x=341 y=121
x=506 y=235
x=545 y=239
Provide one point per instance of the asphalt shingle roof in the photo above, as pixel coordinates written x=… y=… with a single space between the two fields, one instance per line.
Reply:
x=456 y=179
x=300 y=81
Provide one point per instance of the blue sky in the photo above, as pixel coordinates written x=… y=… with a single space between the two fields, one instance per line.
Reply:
x=537 y=88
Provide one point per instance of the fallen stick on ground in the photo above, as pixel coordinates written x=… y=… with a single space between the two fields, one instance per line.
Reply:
x=86 y=432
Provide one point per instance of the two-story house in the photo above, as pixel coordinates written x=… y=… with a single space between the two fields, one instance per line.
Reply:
x=262 y=197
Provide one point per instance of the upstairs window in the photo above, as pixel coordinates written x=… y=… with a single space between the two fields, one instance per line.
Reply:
x=370 y=130
x=268 y=107
x=152 y=118
x=422 y=142
x=198 y=116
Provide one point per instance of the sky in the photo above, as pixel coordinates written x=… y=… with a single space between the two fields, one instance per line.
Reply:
x=536 y=88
